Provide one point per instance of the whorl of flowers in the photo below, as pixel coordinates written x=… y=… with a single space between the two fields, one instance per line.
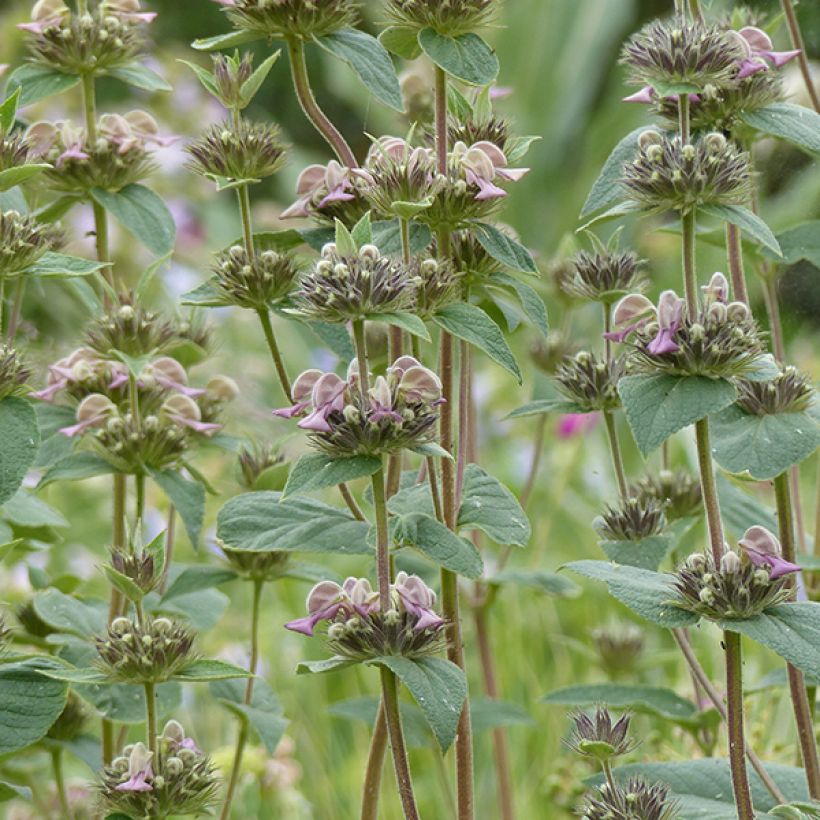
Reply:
x=281 y=19
x=23 y=241
x=230 y=73
x=670 y=174
x=634 y=798
x=598 y=736
x=436 y=284
x=13 y=373
x=678 y=492
x=633 y=520
x=618 y=648
x=399 y=410
x=329 y=192
x=255 y=565
x=605 y=275
x=744 y=585
x=590 y=382
x=243 y=150
x=178 y=780
x=358 y=627
x=255 y=283
x=352 y=286
x=107 y=37
x=131 y=329
x=15 y=149
x=451 y=18
x=789 y=392
x=118 y=157
x=721 y=341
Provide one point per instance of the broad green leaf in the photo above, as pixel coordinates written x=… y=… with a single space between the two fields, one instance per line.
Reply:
x=762 y=447
x=207 y=670
x=406 y=321
x=487 y=714
x=650 y=700
x=346 y=245
x=486 y=504
x=72 y=675
x=38 y=82
x=71 y=615
x=143 y=214
x=204 y=76
x=61 y=265
x=362 y=231
x=19 y=442
x=8 y=111
x=57 y=208
x=75 y=467
x=540 y=406
x=615 y=212
x=794 y=123
x=188 y=497
x=252 y=85
x=230 y=40
x=202 y=609
x=11 y=791
x=195 y=578
x=321 y=667
x=29 y=705
x=409 y=500
x=466 y=57
x=409 y=210
x=474 y=326
x=316 y=471
x=369 y=59
x=335 y=337
x=438 y=543
x=658 y=406
x=648 y=553
x=402 y=41
x=14 y=200
x=26 y=510
x=438 y=687
x=205 y=295
x=286 y=240
x=531 y=302
x=748 y=222
x=124 y=584
x=140 y=76
x=543 y=581
x=504 y=248
x=263 y=714
x=22 y=173
x=607 y=189
x=648 y=594
x=674 y=88
x=800 y=242
x=262 y=522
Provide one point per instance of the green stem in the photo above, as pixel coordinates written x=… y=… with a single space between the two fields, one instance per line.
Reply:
x=16 y=310
x=535 y=463
x=273 y=347
x=432 y=477
x=690 y=284
x=301 y=83
x=354 y=508
x=464 y=379
x=59 y=782
x=139 y=480
x=360 y=342
x=694 y=8
x=734 y=254
x=683 y=117
x=151 y=716
x=441 y=120
x=802 y=58
x=734 y=713
x=375 y=767
x=404 y=226
x=615 y=450
x=244 y=198
x=709 y=489
x=382 y=543
x=390 y=699
x=170 y=539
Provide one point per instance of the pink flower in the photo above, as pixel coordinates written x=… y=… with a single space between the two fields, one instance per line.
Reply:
x=717 y=290
x=183 y=410
x=319 y=185
x=169 y=374
x=323 y=602
x=647 y=95
x=482 y=163
x=327 y=396
x=175 y=735
x=574 y=424
x=670 y=314
x=630 y=313
x=763 y=549
x=129 y=11
x=93 y=411
x=381 y=401
x=45 y=14
x=416 y=598
x=759 y=52
x=139 y=770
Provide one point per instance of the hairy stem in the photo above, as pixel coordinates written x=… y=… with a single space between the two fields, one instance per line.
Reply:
x=354 y=508
x=59 y=783
x=802 y=59
x=301 y=83
x=441 y=120
x=734 y=256
x=360 y=343
x=694 y=8
x=683 y=117
x=464 y=379
x=709 y=488
x=375 y=767
x=690 y=283
x=734 y=714
x=170 y=538
x=16 y=308
x=382 y=542
x=273 y=347
x=615 y=449
x=390 y=699
x=773 y=312
x=244 y=197
x=151 y=716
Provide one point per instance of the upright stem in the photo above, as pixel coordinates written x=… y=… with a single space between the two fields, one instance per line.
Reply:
x=2 y=299
x=278 y=362
x=354 y=508
x=734 y=255
x=16 y=308
x=535 y=463
x=382 y=543
x=797 y=683
x=464 y=379
x=301 y=82
x=59 y=782
x=734 y=714
x=615 y=449
x=375 y=766
x=441 y=120
x=694 y=8
x=390 y=699
x=683 y=117
x=170 y=538
x=151 y=716
x=360 y=343
x=244 y=197
x=709 y=487
x=139 y=480
x=690 y=283
x=773 y=312
x=802 y=59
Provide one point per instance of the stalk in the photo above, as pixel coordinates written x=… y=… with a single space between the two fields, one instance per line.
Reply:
x=615 y=449
x=375 y=766
x=734 y=712
x=383 y=546
x=797 y=42
x=2 y=299
x=390 y=700
x=311 y=109
x=151 y=716
x=16 y=309
x=537 y=451
x=690 y=283
x=709 y=487
x=797 y=683
x=694 y=8
x=464 y=399
x=360 y=342
x=734 y=255
x=59 y=782
x=170 y=537
x=276 y=355
x=242 y=737
x=354 y=508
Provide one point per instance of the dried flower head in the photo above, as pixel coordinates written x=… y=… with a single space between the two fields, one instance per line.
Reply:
x=452 y=18
x=359 y=628
x=282 y=19
x=670 y=174
x=618 y=649
x=789 y=392
x=398 y=412
x=605 y=276
x=330 y=192
x=256 y=565
x=343 y=288
x=131 y=329
x=635 y=799
x=590 y=382
x=678 y=492
x=266 y=279
x=23 y=241
x=151 y=652
x=633 y=520
x=598 y=736
x=13 y=373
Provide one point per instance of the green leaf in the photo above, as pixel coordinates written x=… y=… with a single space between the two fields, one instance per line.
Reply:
x=670 y=89
x=466 y=57
x=406 y=321
x=143 y=214
x=140 y=76
x=546 y=582
x=649 y=700
x=262 y=522
x=800 y=242
x=204 y=76
x=438 y=543
x=402 y=41
x=748 y=222
x=75 y=467
x=316 y=471
x=646 y=553
x=335 y=337
x=201 y=609
x=71 y=615
x=607 y=189
x=487 y=714
x=503 y=248
x=29 y=705
x=188 y=497
x=252 y=85
x=26 y=510
x=207 y=670
x=369 y=59
x=345 y=243
x=531 y=301
x=646 y=593
x=540 y=406
x=135 y=364
x=61 y=265
x=473 y=325
x=794 y=123
x=205 y=295
x=658 y=406
x=22 y=173
x=615 y=212
x=321 y=667
x=409 y=210
x=124 y=584
x=8 y=110
x=19 y=442
x=487 y=505
x=281 y=241
x=263 y=714
x=14 y=200
x=195 y=578
x=11 y=791
x=229 y=40
x=73 y=675
x=762 y=447
x=387 y=237
x=38 y=82
x=362 y=231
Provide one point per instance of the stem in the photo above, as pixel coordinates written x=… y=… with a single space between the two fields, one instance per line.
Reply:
x=404 y=227
x=360 y=342
x=734 y=254
x=151 y=717
x=537 y=452
x=441 y=120
x=140 y=482
x=433 y=478
x=107 y=741
x=391 y=710
x=709 y=488
x=773 y=311
x=59 y=782
x=17 y=306
x=2 y=299
x=690 y=283
x=375 y=766
x=797 y=683
x=734 y=713
x=301 y=83
x=607 y=328
x=383 y=545
x=170 y=536
x=278 y=362
x=464 y=378
x=802 y=59
x=615 y=449
x=683 y=117
x=694 y=7
x=351 y=502
x=500 y=746
x=244 y=197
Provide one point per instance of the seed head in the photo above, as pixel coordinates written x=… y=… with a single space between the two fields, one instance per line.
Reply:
x=281 y=19
x=23 y=241
x=258 y=283
x=633 y=520
x=230 y=74
x=789 y=392
x=590 y=382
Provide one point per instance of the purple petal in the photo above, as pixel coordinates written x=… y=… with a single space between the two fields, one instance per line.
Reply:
x=293 y=410
x=428 y=620
x=338 y=194
x=644 y=96
x=663 y=342
x=780 y=58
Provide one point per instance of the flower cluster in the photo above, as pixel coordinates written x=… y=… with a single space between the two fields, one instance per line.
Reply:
x=257 y=283
x=742 y=586
x=451 y=18
x=590 y=382
x=13 y=373
x=789 y=392
x=678 y=491
x=132 y=329
x=23 y=241
x=669 y=174
x=256 y=565
x=329 y=192
x=176 y=780
x=631 y=799
x=598 y=736
x=605 y=276
x=722 y=340
x=399 y=411
x=359 y=627
x=635 y=519
x=282 y=19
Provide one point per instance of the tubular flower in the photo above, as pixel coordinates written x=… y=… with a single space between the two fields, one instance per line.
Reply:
x=328 y=192
x=763 y=550
x=759 y=52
